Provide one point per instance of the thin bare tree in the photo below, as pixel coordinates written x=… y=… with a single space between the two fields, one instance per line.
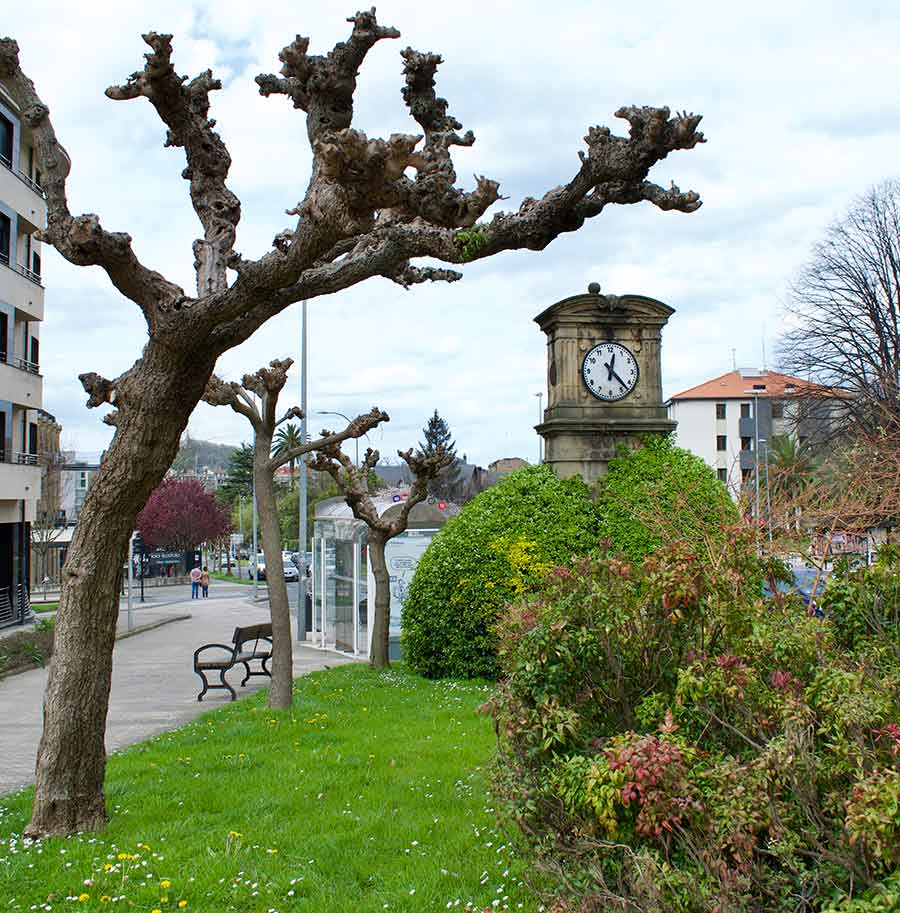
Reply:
x=267 y=384
x=845 y=312
x=371 y=207
x=354 y=484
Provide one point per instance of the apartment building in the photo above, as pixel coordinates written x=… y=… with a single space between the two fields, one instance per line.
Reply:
x=721 y=420
x=23 y=211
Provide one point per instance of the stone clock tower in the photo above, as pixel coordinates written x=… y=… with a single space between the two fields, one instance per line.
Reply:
x=603 y=379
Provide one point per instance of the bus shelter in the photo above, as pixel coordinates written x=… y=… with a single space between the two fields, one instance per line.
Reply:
x=343 y=586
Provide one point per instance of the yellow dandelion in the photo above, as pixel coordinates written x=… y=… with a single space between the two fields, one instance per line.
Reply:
x=165 y=883
x=83 y=897
x=105 y=898
x=156 y=910
x=108 y=867
x=182 y=904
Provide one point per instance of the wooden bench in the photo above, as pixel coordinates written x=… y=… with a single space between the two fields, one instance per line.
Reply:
x=248 y=645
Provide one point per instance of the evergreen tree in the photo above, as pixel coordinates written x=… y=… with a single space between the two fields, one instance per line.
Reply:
x=240 y=475
x=438 y=438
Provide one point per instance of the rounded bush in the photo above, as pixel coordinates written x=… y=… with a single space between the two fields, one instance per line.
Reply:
x=500 y=546
x=661 y=493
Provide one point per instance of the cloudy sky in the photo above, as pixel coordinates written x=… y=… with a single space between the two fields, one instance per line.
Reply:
x=801 y=112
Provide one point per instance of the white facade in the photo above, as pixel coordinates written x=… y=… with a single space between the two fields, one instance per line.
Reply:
x=23 y=211
x=722 y=420
x=699 y=430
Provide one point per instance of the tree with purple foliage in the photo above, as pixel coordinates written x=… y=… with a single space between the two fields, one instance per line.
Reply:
x=181 y=515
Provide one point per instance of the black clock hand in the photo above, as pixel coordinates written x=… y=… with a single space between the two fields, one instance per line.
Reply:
x=619 y=379
x=612 y=365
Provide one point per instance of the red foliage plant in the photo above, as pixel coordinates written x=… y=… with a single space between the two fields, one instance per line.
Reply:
x=182 y=514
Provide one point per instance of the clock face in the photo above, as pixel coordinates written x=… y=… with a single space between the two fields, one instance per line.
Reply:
x=610 y=371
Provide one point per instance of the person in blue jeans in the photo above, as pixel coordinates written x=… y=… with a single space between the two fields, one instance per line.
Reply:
x=196 y=573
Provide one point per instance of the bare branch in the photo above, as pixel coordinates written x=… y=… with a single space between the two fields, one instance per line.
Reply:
x=330 y=441
x=224 y=393
x=324 y=86
x=184 y=109
x=80 y=239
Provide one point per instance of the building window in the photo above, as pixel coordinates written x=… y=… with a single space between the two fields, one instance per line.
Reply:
x=5 y=238
x=723 y=475
x=777 y=409
x=745 y=443
x=720 y=410
x=6 y=141
x=32 y=439
x=759 y=386
x=721 y=442
x=35 y=351
x=745 y=410
x=745 y=474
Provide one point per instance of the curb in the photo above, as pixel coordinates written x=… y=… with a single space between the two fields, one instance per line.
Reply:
x=150 y=626
x=140 y=629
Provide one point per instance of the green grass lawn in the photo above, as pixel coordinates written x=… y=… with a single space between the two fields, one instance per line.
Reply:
x=44 y=606
x=369 y=796
x=230 y=578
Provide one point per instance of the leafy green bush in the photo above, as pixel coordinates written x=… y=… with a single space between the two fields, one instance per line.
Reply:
x=669 y=741
x=499 y=547
x=865 y=602
x=661 y=493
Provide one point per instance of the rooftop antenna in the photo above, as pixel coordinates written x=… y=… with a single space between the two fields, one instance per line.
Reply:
x=765 y=368
x=734 y=359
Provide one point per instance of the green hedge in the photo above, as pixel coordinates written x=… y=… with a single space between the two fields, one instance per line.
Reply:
x=658 y=493
x=498 y=548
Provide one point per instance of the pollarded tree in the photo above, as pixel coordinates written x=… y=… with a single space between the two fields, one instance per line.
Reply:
x=355 y=484
x=371 y=207
x=267 y=384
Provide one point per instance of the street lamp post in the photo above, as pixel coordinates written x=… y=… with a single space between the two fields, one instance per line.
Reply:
x=302 y=500
x=768 y=495
x=540 y=399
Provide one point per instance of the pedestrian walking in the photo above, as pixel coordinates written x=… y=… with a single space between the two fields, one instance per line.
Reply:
x=196 y=574
x=204 y=582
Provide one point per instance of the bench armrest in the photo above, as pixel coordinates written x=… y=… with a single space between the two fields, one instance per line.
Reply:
x=228 y=649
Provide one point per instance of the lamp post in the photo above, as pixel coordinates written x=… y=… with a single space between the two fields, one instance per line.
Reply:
x=540 y=399
x=755 y=395
x=348 y=420
x=765 y=445
x=302 y=500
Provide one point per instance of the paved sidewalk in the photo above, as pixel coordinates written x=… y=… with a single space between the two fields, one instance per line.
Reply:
x=154 y=687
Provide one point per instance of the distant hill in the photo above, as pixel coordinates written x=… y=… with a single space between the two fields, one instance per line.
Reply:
x=194 y=452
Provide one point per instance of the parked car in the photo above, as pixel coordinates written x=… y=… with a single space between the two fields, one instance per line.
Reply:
x=291 y=574
x=802 y=587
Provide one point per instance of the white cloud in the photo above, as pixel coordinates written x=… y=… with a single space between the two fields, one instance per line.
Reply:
x=800 y=111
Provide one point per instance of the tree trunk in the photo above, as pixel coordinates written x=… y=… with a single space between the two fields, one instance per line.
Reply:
x=378 y=655
x=281 y=690
x=71 y=758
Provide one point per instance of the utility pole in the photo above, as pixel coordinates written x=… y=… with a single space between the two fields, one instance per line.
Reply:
x=241 y=527
x=302 y=500
x=768 y=495
x=130 y=578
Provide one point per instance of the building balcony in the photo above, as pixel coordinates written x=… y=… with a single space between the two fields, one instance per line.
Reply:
x=747 y=427
x=748 y=459
x=20 y=382
x=21 y=193
x=21 y=288
x=19 y=481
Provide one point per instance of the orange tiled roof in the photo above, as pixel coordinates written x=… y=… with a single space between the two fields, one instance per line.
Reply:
x=734 y=385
